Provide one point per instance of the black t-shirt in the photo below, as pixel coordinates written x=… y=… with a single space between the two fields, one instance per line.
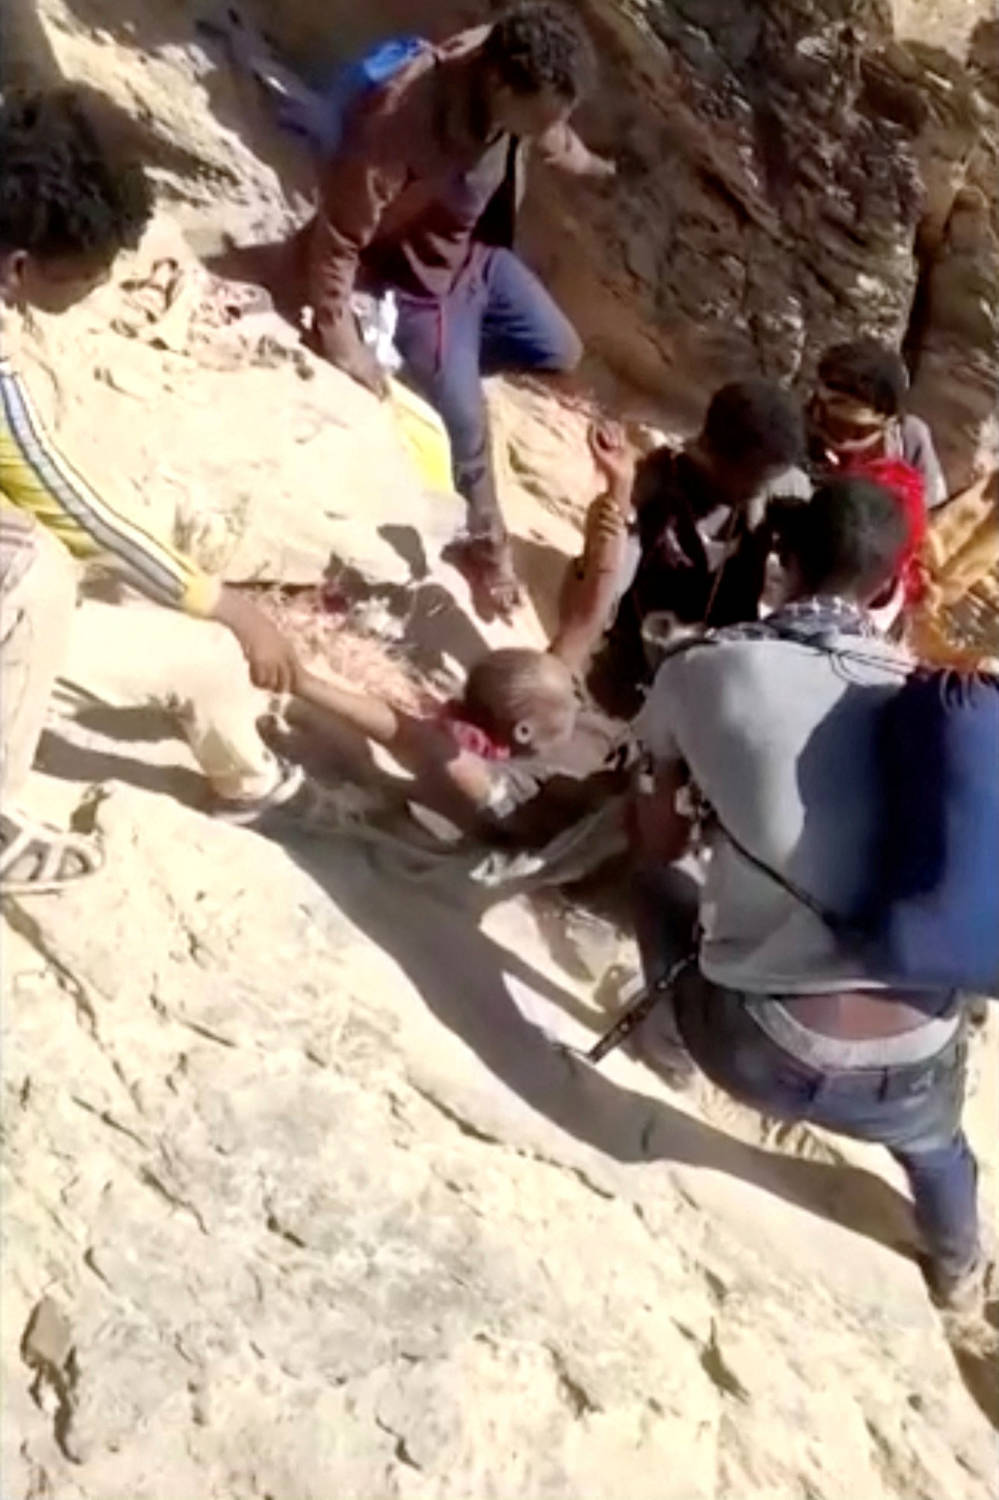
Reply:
x=673 y=500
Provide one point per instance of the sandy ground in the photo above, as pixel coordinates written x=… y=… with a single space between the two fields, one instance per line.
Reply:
x=306 y=1191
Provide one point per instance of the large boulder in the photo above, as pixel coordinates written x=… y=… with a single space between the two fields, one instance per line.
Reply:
x=788 y=171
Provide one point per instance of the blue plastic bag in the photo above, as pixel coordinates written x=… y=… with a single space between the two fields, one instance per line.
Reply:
x=317 y=115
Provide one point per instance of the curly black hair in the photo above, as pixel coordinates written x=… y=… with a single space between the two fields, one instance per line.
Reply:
x=61 y=193
x=541 y=46
x=849 y=538
x=869 y=371
x=755 y=421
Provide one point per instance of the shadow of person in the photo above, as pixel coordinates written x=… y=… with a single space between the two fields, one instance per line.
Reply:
x=437 y=631
x=463 y=977
x=407 y=543
x=68 y=760
x=540 y=567
x=976 y=1355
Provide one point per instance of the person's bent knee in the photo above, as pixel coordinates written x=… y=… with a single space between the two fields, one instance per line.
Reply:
x=45 y=583
x=561 y=350
x=568 y=352
x=52 y=575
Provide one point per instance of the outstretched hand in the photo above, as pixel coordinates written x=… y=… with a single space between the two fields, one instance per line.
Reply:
x=614 y=458
x=269 y=654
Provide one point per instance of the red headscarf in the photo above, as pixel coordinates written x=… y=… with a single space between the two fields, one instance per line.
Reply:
x=906 y=484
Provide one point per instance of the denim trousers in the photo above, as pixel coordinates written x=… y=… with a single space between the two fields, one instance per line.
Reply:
x=913 y=1110
x=496 y=318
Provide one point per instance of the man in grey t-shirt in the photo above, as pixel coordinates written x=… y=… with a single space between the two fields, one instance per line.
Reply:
x=771 y=731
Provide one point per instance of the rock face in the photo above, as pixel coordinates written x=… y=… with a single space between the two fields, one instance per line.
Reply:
x=306 y=1192
x=301 y=1199
x=788 y=171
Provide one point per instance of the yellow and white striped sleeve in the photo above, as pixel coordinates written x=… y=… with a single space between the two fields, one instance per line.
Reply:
x=36 y=477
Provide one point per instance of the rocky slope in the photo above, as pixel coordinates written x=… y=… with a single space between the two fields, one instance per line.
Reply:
x=791 y=173
x=304 y=1194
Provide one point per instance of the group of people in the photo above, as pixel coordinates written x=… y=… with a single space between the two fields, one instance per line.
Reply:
x=727 y=641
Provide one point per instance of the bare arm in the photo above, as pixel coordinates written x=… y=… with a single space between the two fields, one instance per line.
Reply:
x=660 y=832
x=355 y=190
x=561 y=147
x=447 y=778
x=591 y=586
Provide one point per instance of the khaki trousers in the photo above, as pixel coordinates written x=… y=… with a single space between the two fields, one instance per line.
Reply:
x=126 y=655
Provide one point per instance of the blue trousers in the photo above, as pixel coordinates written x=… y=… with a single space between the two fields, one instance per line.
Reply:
x=497 y=318
x=913 y=1110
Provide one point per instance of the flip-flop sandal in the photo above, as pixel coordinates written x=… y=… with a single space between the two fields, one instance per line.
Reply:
x=487 y=567
x=48 y=859
x=245 y=811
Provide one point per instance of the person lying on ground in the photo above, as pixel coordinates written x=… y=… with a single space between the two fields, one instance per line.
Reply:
x=66 y=209
x=857 y=414
x=699 y=540
x=519 y=757
x=770 y=736
x=421 y=165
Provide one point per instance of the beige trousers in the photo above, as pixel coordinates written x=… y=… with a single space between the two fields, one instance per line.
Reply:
x=37 y=600
x=126 y=655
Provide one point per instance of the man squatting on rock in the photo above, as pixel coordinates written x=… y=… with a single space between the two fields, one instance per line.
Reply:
x=422 y=185
x=65 y=213
x=771 y=735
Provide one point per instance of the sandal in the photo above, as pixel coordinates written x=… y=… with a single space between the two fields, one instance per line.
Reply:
x=36 y=859
x=487 y=567
x=245 y=811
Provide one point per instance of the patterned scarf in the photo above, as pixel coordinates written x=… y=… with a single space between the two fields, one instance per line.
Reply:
x=818 y=619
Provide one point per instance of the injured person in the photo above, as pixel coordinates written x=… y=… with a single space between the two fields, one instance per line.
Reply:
x=520 y=756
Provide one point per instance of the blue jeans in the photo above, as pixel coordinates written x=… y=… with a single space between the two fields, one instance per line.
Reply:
x=497 y=317
x=913 y=1110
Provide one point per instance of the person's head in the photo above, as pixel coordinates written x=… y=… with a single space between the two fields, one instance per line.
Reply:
x=66 y=209
x=850 y=540
x=534 y=67
x=861 y=388
x=753 y=432
x=524 y=700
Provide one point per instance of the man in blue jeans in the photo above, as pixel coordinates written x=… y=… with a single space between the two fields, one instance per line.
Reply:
x=767 y=735
x=427 y=168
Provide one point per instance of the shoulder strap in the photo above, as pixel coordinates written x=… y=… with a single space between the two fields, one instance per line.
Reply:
x=832 y=919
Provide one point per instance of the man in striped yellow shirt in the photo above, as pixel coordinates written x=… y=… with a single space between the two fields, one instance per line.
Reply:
x=65 y=212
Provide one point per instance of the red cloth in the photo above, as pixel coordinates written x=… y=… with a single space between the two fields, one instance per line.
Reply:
x=906 y=484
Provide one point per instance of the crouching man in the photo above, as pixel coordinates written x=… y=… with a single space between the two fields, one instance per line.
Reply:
x=771 y=737
x=65 y=212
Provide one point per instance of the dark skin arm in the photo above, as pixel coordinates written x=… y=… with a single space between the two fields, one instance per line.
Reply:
x=590 y=586
x=660 y=834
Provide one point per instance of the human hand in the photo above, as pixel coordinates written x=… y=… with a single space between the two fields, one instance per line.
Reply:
x=270 y=656
x=361 y=365
x=613 y=457
x=342 y=345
